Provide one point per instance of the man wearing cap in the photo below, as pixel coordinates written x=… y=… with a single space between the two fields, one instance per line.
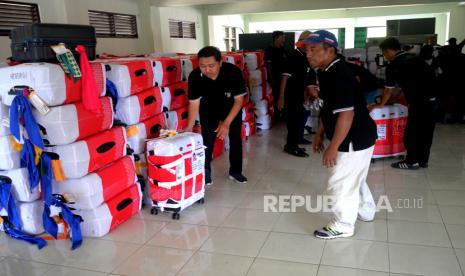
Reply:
x=352 y=133
x=296 y=77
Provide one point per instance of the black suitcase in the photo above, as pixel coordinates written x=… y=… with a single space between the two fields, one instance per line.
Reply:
x=32 y=42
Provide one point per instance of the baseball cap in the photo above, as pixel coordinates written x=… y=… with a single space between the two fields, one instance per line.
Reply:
x=322 y=36
x=304 y=35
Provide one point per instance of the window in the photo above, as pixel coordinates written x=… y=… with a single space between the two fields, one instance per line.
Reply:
x=108 y=24
x=230 y=40
x=16 y=14
x=182 y=29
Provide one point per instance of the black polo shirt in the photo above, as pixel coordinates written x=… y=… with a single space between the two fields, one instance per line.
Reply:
x=216 y=96
x=300 y=75
x=339 y=92
x=276 y=57
x=414 y=76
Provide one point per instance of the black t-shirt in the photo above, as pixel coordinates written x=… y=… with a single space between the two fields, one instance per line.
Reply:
x=367 y=82
x=276 y=57
x=300 y=75
x=414 y=76
x=217 y=96
x=339 y=92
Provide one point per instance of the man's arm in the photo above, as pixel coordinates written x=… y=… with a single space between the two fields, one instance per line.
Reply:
x=317 y=144
x=385 y=98
x=343 y=124
x=282 y=90
x=223 y=128
x=193 y=112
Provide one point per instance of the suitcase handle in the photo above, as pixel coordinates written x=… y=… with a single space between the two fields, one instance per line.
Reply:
x=171 y=68
x=140 y=73
x=124 y=203
x=149 y=100
x=106 y=147
x=184 y=115
x=6 y=179
x=179 y=92
x=155 y=129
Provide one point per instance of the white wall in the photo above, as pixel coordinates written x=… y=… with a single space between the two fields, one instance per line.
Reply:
x=216 y=28
x=160 y=27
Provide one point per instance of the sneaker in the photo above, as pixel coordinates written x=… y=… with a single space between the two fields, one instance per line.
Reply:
x=208 y=181
x=405 y=166
x=365 y=219
x=304 y=141
x=296 y=152
x=238 y=177
x=327 y=233
x=423 y=165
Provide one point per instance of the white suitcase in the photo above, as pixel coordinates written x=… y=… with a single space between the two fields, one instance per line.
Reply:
x=96 y=188
x=100 y=221
x=85 y=156
x=257 y=77
x=261 y=108
x=9 y=158
x=148 y=129
x=4 y=115
x=48 y=81
x=134 y=109
x=31 y=216
x=131 y=76
x=21 y=186
x=264 y=122
x=69 y=123
x=253 y=60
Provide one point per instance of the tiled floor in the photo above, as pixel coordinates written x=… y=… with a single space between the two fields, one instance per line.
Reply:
x=231 y=234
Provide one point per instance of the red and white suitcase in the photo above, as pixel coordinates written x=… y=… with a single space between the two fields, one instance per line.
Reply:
x=100 y=221
x=390 y=122
x=134 y=109
x=166 y=99
x=250 y=128
x=167 y=71
x=69 y=123
x=248 y=112
x=21 y=187
x=30 y=214
x=148 y=129
x=85 y=156
x=257 y=77
x=4 y=115
x=253 y=60
x=234 y=58
x=261 y=108
x=96 y=188
x=176 y=172
x=9 y=157
x=49 y=82
x=260 y=92
x=177 y=119
x=131 y=76
x=178 y=92
x=264 y=122
x=189 y=63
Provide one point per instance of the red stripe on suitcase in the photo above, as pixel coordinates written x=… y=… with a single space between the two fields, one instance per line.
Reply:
x=124 y=205
x=106 y=147
x=117 y=177
x=91 y=123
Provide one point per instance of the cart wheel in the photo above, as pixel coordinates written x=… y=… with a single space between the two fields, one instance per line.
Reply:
x=201 y=201
x=373 y=160
x=176 y=216
x=154 y=211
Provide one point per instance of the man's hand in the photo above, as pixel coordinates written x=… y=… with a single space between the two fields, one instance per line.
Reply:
x=188 y=129
x=317 y=144
x=222 y=130
x=329 y=157
x=373 y=106
x=281 y=103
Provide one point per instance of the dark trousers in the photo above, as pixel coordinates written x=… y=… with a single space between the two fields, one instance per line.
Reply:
x=235 y=148
x=306 y=114
x=419 y=131
x=294 y=113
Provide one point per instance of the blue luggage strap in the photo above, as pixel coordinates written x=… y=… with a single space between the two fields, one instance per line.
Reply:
x=112 y=92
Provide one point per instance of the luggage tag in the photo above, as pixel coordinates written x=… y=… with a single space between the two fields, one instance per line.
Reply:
x=67 y=61
x=37 y=102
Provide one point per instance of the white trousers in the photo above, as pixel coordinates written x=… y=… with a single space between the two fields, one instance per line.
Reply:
x=348 y=187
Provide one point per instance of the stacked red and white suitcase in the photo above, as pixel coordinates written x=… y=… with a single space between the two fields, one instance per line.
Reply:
x=260 y=90
x=176 y=172
x=390 y=121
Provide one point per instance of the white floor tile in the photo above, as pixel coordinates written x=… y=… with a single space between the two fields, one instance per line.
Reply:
x=359 y=254
x=14 y=267
x=254 y=200
x=406 y=181
x=428 y=213
x=151 y=260
x=452 y=214
x=336 y=271
x=457 y=235
x=293 y=248
x=423 y=260
x=265 y=267
x=301 y=223
x=461 y=256
x=251 y=219
x=419 y=233
x=235 y=242
x=205 y=215
x=371 y=231
x=145 y=230
x=182 y=236
x=400 y=196
x=450 y=197
x=206 y=264
x=61 y=270
x=224 y=198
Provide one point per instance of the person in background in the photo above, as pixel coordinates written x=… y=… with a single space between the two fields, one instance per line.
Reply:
x=275 y=58
x=418 y=83
x=216 y=92
x=456 y=48
x=297 y=76
x=352 y=133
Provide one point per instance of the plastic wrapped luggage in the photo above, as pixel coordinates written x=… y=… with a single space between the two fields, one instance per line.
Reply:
x=189 y=63
x=131 y=76
x=248 y=112
x=4 y=114
x=257 y=77
x=176 y=172
x=137 y=108
x=148 y=129
x=68 y=123
x=9 y=157
x=391 y=122
x=85 y=156
x=100 y=221
x=264 y=122
x=253 y=60
x=250 y=128
x=234 y=58
x=259 y=92
x=49 y=82
x=140 y=163
x=261 y=108
x=166 y=99
x=177 y=119
x=32 y=42
x=167 y=71
x=20 y=183
x=178 y=92
x=31 y=216
x=96 y=188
